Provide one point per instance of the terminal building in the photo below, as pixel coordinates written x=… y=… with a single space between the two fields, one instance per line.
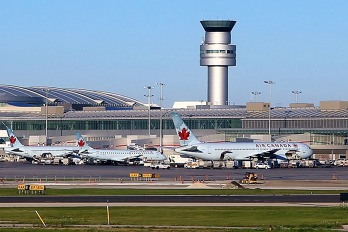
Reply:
x=113 y=120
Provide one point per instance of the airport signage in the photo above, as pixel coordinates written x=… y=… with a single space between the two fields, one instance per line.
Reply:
x=33 y=188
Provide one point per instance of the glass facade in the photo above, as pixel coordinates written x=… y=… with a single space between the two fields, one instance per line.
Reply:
x=322 y=130
x=297 y=123
x=120 y=124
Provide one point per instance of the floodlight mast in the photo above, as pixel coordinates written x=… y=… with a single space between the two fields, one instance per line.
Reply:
x=270 y=83
x=296 y=92
x=161 y=106
x=46 y=114
x=149 y=95
x=255 y=93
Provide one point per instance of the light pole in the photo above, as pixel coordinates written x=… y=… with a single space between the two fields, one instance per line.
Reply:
x=161 y=101
x=46 y=109
x=255 y=93
x=149 y=107
x=296 y=92
x=270 y=83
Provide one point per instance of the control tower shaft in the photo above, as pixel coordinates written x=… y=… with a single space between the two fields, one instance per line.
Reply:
x=217 y=53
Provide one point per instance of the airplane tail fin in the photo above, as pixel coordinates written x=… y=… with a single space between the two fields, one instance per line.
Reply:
x=82 y=143
x=13 y=139
x=186 y=137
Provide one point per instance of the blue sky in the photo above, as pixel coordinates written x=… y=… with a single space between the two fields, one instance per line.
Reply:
x=122 y=46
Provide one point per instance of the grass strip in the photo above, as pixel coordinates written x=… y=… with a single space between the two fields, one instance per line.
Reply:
x=151 y=229
x=319 y=218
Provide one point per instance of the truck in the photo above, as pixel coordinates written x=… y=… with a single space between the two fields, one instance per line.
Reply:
x=178 y=160
x=191 y=164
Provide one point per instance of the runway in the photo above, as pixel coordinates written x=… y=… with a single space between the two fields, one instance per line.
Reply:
x=30 y=171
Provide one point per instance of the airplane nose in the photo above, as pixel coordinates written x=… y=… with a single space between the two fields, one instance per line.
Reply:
x=160 y=156
x=163 y=157
x=308 y=152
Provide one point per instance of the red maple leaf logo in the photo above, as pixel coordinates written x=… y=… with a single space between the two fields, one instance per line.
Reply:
x=12 y=139
x=184 y=134
x=81 y=143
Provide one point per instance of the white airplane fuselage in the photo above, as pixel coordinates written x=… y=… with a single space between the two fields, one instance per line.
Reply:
x=124 y=155
x=246 y=151
x=37 y=151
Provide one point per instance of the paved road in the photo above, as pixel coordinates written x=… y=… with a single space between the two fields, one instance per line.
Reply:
x=28 y=170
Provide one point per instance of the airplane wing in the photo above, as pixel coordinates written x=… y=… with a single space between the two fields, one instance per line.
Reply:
x=266 y=154
x=123 y=158
x=84 y=152
x=70 y=153
x=14 y=150
x=188 y=148
x=66 y=153
x=270 y=154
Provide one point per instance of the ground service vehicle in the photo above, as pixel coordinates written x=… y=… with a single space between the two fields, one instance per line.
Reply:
x=249 y=178
x=160 y=166
x=262 y=165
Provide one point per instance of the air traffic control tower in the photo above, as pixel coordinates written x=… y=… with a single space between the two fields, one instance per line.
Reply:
x=217 y=53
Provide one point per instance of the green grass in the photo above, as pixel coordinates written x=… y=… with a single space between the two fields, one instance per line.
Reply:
x=246 y=219
x=94 y=191
x=159 y=230
x=281 y=218
x=146 y=230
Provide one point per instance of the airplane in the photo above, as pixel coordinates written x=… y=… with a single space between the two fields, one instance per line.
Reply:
x=36 y=152
x=118 y=156
x=217 y=151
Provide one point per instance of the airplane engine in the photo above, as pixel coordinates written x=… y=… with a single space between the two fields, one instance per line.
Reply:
x=292 y=155
x=223 y=154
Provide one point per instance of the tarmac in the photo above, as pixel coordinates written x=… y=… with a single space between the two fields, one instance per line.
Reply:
x=261 y=184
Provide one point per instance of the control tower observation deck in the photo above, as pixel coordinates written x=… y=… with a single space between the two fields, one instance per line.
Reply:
x=217 y=53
